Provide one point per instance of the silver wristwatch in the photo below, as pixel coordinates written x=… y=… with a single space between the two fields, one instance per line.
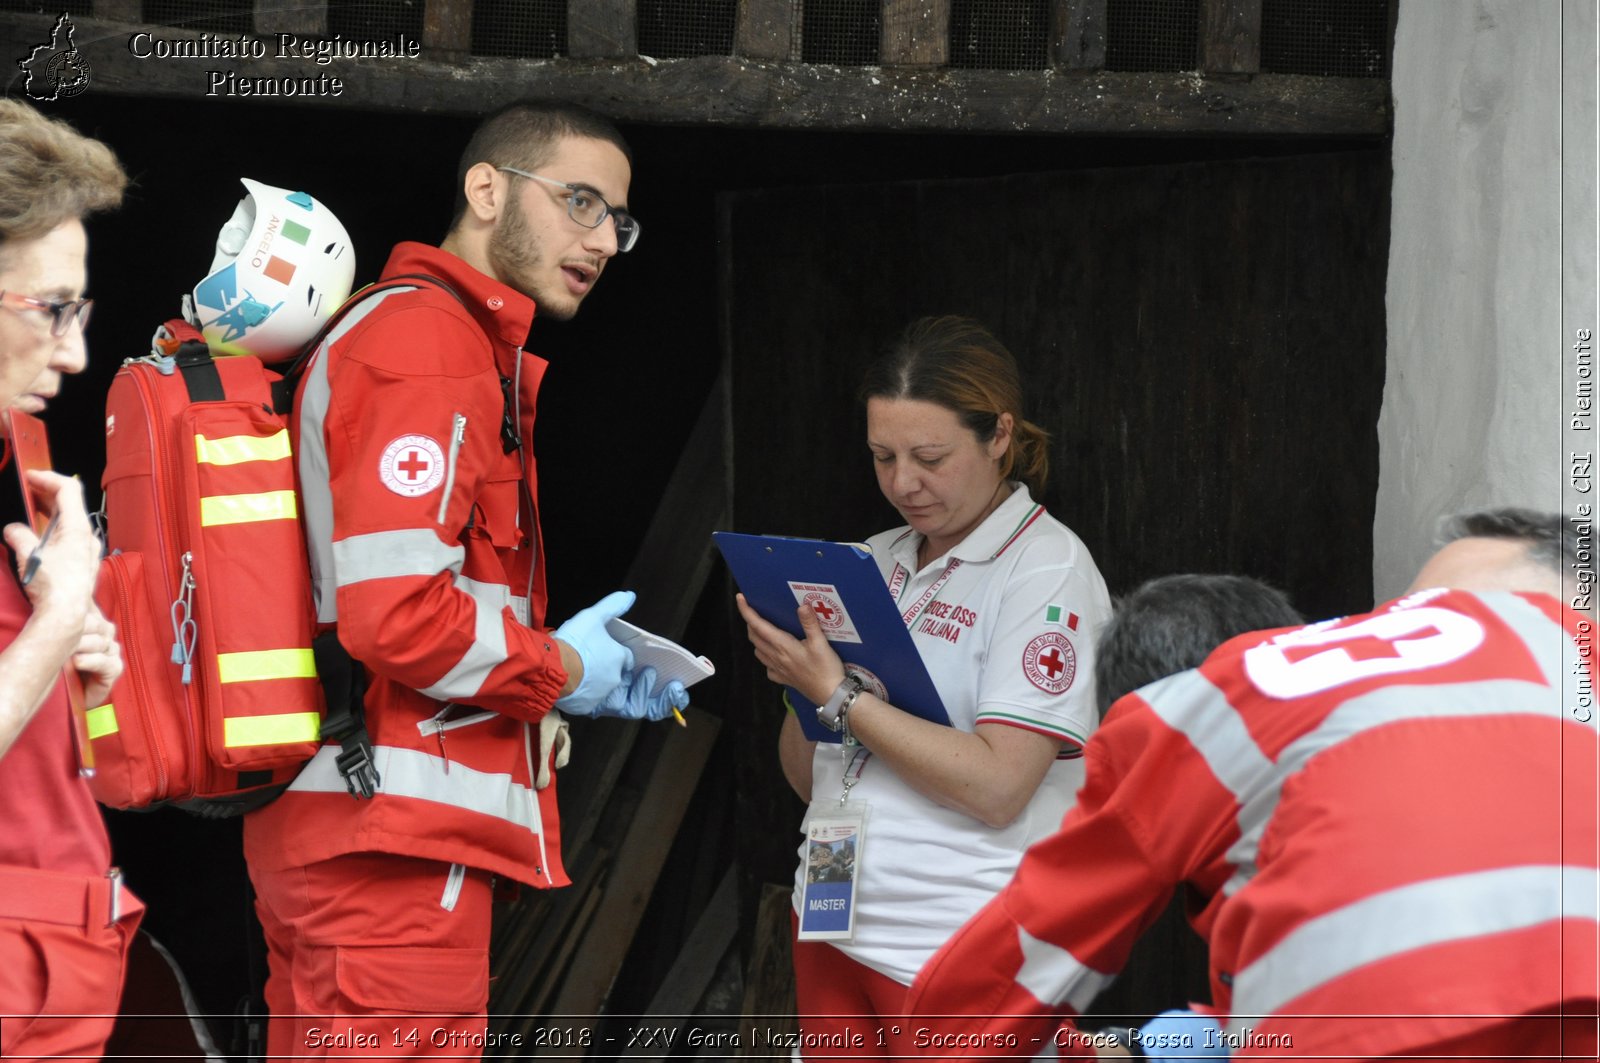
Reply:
x=830 y=712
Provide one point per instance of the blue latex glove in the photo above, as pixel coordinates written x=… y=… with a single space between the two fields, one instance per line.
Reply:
x=633 y=700
x=606 y=662
x=1180 y=1034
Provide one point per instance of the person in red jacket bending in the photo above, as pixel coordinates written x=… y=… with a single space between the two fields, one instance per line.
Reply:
x=1388 y=824
x=412 y=429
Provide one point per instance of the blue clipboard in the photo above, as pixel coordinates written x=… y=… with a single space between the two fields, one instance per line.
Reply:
x=859 y=616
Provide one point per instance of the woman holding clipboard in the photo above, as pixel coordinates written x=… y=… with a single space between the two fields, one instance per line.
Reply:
x=65 y=919
x=913 y=825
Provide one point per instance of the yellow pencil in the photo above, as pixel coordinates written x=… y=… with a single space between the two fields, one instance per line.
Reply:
x=676 y=715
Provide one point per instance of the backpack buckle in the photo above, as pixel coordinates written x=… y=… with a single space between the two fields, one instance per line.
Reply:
x=355 y=766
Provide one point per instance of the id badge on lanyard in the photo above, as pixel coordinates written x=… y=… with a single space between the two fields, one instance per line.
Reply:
x=833 y=860
x=833 y=855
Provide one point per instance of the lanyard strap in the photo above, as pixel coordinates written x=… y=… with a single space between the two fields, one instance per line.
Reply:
x=898 y=582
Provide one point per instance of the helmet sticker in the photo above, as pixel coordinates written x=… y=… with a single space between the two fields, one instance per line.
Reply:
x=412 y=466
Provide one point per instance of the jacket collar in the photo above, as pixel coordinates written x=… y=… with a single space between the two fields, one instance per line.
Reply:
x=503 y=313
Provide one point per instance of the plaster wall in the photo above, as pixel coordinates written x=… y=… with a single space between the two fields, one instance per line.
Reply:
x=1473 y=397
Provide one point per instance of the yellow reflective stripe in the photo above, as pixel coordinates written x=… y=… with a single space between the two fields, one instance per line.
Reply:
x=251 y=665
x=232 y=450
x=102 y=720
x=282 y=729
x=243 y=509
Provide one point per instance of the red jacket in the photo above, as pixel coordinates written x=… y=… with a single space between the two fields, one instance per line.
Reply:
x=425 y=550
x=1387 y=825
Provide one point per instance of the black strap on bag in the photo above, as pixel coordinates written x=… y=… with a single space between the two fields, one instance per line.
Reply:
x=200 y=376
x=344 y=682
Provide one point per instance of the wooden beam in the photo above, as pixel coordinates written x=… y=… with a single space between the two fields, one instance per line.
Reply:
x=1078 y=34
x=769 y=981
x=725 y=91
x=676 y=555
x=1230 y=36
x=300 y=19
x=602 y=29
x=767 y=29
x=915 y=33
x=638 y=862
x=121 y=10
x=690 y=975
x=447 y=29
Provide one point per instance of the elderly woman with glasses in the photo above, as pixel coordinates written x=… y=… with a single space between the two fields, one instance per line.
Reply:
x=1002 y=601
x=65 y=920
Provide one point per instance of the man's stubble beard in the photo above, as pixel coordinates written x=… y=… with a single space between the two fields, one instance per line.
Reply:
x=515 y=252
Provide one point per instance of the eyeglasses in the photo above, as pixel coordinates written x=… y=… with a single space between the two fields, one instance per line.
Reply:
x=588 y=208
x=62 y=314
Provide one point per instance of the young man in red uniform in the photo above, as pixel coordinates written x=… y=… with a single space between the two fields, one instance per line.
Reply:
x=413 y=430
x=1387 y=825
x=65 y=919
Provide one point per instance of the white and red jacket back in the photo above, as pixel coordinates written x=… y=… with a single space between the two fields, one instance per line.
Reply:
x=1387 y=825
x=426 y=554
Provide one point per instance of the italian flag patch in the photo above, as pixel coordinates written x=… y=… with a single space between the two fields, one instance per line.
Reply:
x=1054 y=614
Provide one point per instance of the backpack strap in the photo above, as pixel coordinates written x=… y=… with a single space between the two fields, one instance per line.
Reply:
x=187 y=348
x=344 y=681
x=283 y=390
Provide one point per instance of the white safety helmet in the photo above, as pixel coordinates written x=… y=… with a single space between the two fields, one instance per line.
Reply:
x=283 y=266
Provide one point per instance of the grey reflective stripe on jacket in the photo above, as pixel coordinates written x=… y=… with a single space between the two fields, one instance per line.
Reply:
x=316 y=493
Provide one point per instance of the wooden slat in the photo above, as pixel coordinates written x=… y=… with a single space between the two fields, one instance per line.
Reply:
x=549 y=923
x=676 y=555
x=446 y=29
x=1230 y=36
x=535 y=1017
x=602 y=29
x=718 y=90
x=638 y=862
x=915 y=33
x=769 y=982
x=691 y=973
x=301 y=19
x=767 y=29
x=1078 y=34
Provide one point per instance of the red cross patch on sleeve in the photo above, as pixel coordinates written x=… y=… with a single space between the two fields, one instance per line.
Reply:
x=1050 y=662
x=412 y=466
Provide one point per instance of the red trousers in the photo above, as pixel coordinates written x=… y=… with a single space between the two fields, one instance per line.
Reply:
x=376 y=956
x=847 y=1010
x=63 y=948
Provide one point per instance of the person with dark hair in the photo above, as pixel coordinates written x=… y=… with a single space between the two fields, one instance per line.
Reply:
x=1164 y=626
x=1002 y=602
x=66 y=921
x=1172 y=623
x=413 y=430
x=1389 y=822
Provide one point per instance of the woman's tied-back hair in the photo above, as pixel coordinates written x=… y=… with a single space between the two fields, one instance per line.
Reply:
x=956 y=363
x=50 y=174
x=523 y=134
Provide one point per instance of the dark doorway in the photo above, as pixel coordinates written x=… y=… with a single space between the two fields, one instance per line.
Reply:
x=1203 y=340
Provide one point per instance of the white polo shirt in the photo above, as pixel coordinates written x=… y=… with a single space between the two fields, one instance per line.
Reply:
x=1005 y=623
